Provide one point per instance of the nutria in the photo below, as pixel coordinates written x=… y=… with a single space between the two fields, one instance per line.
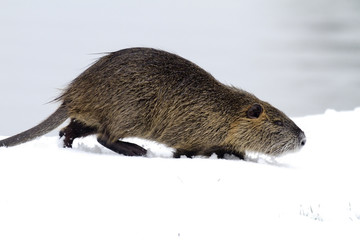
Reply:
x=156 y=95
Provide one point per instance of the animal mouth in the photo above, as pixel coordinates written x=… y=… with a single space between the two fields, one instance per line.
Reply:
x=281 y=148
x=290 y=147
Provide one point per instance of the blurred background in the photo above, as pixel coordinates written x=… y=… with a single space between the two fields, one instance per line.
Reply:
x=302 y=56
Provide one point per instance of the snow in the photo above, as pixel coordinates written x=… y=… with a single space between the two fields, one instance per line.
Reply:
x=88 y=192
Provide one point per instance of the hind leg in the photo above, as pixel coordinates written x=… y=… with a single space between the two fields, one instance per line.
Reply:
x=74 y=130
x=126 y=148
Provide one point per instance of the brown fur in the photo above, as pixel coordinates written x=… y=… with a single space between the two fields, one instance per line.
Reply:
x=156 y=95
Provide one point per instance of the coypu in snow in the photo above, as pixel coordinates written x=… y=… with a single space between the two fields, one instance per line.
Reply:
x=156 y=95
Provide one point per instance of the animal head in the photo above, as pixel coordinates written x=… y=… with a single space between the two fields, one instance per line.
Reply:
x=261 y=128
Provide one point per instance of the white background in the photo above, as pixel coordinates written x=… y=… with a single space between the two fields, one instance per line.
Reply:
x=301 y=56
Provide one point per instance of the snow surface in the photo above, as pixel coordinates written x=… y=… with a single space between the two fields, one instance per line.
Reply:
x=88 y=192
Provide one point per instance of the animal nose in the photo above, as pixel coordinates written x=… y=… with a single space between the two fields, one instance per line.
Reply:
x=302 y=139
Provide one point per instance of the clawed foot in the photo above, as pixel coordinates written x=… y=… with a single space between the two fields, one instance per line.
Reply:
x=74 y=130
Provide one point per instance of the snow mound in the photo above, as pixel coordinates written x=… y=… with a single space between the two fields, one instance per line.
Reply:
x=89 y=192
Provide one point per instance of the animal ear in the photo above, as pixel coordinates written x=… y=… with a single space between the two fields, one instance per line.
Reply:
x=255 y=111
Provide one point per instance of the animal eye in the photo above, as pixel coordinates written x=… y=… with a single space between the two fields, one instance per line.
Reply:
x=279 y=123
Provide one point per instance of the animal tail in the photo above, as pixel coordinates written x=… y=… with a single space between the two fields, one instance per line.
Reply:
x=53 y=121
